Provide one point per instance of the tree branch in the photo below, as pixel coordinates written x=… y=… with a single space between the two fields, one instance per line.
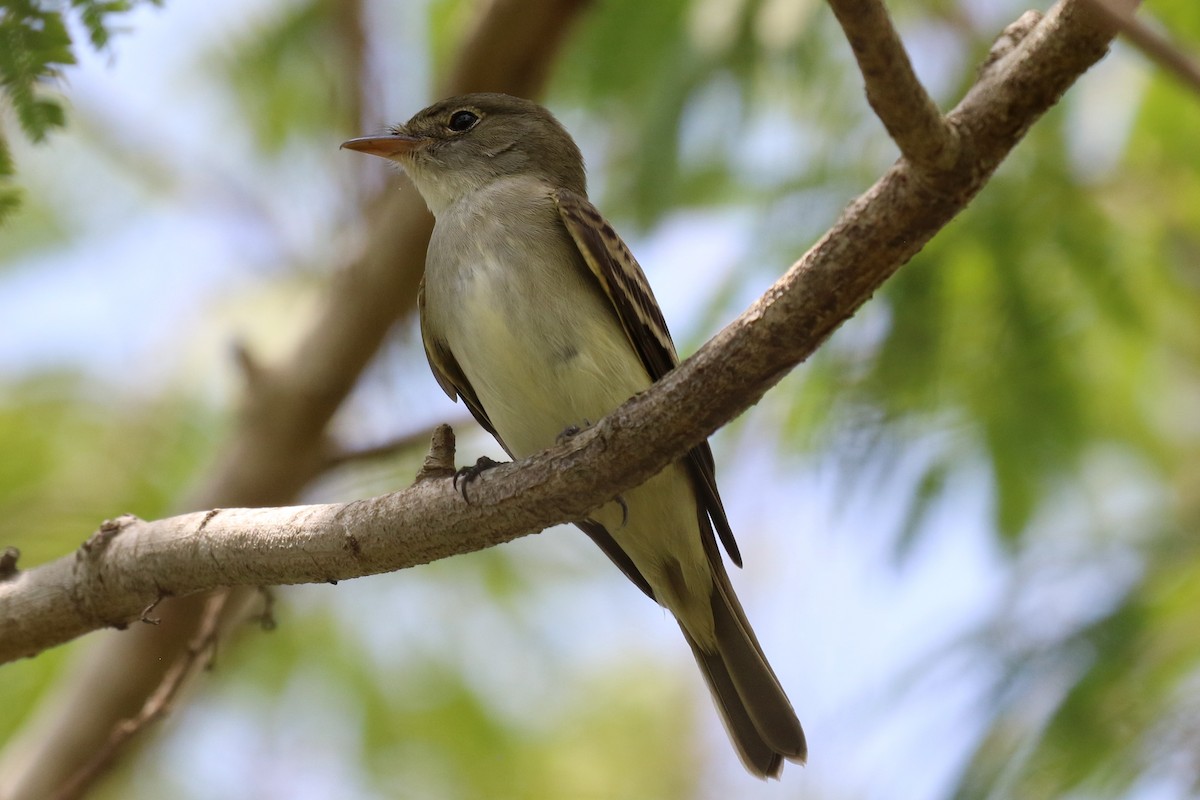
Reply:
x=900 y=101
x=874 y=236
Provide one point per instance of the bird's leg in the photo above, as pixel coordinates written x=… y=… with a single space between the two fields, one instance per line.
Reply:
x=468 y=474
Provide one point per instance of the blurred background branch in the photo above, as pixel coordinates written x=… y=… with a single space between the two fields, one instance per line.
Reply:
x=1151 y=42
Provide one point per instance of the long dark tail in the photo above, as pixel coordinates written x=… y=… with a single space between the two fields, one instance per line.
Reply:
x=756 y=711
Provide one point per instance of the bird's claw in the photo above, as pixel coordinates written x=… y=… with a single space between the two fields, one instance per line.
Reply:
x=468 y=474
x=619 y=500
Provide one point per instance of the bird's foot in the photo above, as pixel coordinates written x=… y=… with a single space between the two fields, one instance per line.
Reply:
x=570 y=432
x=468 y=474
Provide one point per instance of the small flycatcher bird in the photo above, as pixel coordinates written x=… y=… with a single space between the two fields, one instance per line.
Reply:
x=535 y=313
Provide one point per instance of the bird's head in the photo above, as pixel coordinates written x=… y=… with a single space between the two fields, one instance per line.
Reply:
x=462 y=144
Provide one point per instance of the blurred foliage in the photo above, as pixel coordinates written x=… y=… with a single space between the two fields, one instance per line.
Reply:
x=74 y=455
x=294 y=77
x=70 y=462
x=1124 y=687
x=1049 y=339
x=35 y=45
x=455 y=740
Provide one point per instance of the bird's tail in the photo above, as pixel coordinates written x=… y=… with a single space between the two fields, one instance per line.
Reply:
x=757 y=713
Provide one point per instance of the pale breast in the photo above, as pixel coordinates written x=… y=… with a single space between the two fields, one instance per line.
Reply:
x=532 y=332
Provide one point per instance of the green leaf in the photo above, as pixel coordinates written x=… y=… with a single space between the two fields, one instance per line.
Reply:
x=35 y=45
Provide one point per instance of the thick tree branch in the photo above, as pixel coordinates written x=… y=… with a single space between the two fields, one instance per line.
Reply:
x=873 y=238
x=898 y=98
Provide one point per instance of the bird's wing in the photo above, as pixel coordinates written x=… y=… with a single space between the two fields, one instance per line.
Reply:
x=449 y=375
x=604 y=540
x=622 y=279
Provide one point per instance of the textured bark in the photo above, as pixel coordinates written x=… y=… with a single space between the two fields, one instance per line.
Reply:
x=897 y=97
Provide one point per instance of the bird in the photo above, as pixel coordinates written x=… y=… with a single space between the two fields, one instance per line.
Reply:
x=536 y=315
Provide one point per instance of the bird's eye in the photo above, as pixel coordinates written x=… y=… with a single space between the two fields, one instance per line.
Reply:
x=463 y=121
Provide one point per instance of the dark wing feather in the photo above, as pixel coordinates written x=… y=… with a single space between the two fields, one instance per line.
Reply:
x=449 y=375
x=604 y=540
x=623 y=281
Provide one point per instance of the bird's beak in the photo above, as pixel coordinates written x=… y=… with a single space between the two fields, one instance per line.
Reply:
x=397 y=144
